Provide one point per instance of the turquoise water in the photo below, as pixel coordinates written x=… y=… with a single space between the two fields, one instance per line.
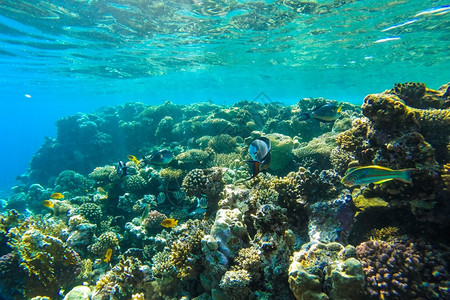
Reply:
x=222 y=150
x=60 y=57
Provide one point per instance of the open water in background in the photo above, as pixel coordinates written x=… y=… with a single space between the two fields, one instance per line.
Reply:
x=61 y=57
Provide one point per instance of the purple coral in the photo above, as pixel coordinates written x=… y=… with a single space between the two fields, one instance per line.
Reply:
x=403 y=269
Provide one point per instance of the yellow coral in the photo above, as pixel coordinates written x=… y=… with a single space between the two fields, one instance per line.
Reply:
x=384 y=234
x=139 y=296
x=171 y=173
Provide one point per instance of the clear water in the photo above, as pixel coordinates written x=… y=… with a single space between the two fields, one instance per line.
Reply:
x=60 y=57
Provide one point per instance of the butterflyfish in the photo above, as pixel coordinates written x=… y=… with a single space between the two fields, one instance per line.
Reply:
x=259 y=151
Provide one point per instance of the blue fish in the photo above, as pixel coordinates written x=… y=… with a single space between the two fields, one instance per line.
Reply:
x=259 y=150
x=326 y=113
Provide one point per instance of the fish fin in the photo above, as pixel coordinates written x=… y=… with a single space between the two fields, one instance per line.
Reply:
x=350 y=170
x=405 y=175
x=304 y=116
x=320 y=106
x=339 y=109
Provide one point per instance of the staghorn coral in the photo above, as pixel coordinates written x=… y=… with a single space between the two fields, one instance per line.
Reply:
x=404 y=269
x=326 y=271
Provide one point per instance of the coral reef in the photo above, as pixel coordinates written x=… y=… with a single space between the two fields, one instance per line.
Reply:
x=326 y=271
x=285 y=234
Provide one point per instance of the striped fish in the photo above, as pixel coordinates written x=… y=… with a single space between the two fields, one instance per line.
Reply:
x=375 y=174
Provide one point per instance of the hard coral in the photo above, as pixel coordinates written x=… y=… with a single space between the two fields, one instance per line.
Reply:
x=91 y=211
x=404 y=269
x=417 y=95
x=107 y=240
x=322 y=271
x=207 y=182
x=49 y=264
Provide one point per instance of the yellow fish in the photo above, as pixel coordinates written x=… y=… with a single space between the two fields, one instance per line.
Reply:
x=48 y=203
x=133 y=159
x=169 y=223
x=108 y=255
x=57 y=196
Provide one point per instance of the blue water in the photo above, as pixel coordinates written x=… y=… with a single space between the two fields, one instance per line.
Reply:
x=61 y=57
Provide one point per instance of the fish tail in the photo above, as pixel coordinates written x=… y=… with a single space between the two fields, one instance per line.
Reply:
x=255 y=168
x=405 y=175
x=304 y=116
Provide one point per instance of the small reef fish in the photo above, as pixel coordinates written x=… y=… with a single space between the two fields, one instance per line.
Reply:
x=101 y=191
x=108 y=255
x=161 y=198
x=375 y=174
x=159 y=158
x=202 y=202
x=133 y=159
x=48 y=203
x=169 y=223
x=326 y=113
x=57 y=196
x=259 y=150
x=121 y=168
